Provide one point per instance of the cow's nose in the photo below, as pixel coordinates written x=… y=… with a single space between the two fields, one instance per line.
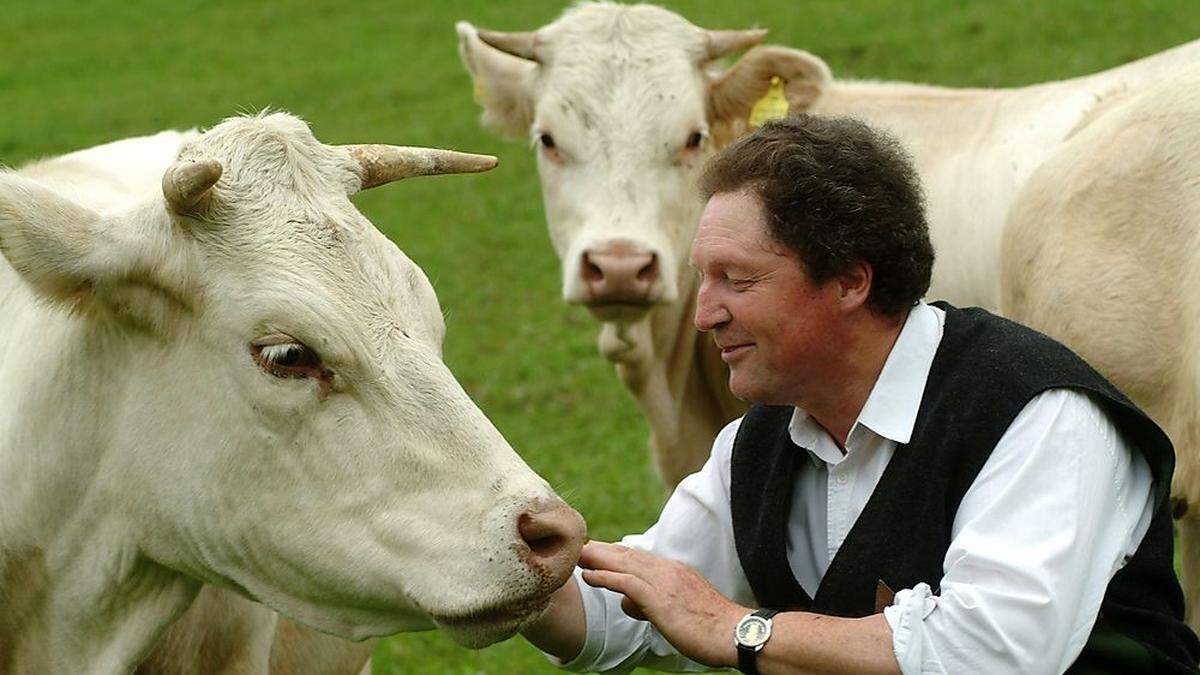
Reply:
x=620 y=273
x=553 y=533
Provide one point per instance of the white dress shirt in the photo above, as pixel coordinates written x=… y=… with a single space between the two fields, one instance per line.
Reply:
x=1057 y=509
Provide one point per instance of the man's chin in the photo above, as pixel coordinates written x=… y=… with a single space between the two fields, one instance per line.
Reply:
x=751 y=390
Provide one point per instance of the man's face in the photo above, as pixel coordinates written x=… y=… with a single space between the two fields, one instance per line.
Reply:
x=777 y=330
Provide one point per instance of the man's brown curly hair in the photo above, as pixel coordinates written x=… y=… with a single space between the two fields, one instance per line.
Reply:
x=835 y=191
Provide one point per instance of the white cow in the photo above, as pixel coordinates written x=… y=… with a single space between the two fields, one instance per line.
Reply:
x=1102 y=251
x=221 y=631
x=626 y=102
x=217 y=376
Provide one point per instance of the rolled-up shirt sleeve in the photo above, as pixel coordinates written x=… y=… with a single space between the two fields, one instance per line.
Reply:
x=694 y=528
x=1055 y=512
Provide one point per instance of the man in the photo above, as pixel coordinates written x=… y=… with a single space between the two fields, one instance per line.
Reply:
x=1013 y=498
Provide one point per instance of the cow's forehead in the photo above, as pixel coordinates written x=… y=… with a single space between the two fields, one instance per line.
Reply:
x=280 y=188
x=274 y=156
x=281 y=219
x=628 y=67
x=619 y=32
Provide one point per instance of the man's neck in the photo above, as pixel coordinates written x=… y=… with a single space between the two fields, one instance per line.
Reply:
x=868 y=341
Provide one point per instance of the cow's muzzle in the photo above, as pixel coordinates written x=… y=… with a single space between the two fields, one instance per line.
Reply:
x=620 y=273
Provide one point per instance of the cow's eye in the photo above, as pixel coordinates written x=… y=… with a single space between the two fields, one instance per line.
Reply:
x=549 y=148
x=695 y=140
x=279 y=356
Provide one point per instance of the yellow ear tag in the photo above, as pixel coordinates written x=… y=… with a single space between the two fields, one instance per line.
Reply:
x=480 y=93
x=771 y=106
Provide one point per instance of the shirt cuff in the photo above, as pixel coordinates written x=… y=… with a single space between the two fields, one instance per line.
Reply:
x=906 y=616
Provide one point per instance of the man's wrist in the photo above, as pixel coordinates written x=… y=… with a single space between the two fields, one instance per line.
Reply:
x=750 y=636
x=729 y=652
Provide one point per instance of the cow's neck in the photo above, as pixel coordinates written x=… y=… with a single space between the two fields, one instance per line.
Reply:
x=678 y=380
x=76 y=593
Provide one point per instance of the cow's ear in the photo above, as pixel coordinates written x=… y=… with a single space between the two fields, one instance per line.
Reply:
x=52 y=242
x=733 y=93
x=503 y=82
x=73 y=256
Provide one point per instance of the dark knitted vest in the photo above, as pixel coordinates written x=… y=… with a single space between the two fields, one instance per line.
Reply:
x=984 y=372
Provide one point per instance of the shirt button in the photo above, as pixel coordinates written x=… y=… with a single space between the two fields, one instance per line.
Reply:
x=842 y=478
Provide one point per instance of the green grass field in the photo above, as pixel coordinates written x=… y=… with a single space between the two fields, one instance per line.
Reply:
x=74 y=74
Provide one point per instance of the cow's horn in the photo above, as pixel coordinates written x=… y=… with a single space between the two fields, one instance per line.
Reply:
x=518 y=44
x=386 y=163
x=722 y=42
x=185 y=183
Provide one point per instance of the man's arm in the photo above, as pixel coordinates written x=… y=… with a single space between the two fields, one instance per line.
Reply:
x=561 y=630
x=585 y=627
x=699 y=621
x=1037 y=538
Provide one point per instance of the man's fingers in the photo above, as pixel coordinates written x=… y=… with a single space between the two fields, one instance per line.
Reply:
x=599 y=555
x=634 y=589
x=632 y=610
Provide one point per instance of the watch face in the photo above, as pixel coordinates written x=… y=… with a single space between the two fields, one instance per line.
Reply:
x=752 y=631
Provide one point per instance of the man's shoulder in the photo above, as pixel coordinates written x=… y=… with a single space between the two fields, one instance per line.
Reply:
x=984 y=347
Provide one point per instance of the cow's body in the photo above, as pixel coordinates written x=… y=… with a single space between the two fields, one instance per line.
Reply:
x=170 y=445
x=1102 y=251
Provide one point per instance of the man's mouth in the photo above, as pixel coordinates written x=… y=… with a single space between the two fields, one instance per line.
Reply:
x=729 y=352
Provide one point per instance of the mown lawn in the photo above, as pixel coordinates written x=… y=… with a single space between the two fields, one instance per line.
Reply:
x=74 y=74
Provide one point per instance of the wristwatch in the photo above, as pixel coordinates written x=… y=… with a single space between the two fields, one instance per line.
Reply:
x=750 y=634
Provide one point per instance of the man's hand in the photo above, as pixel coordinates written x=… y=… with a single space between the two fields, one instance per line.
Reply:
x=692 y=615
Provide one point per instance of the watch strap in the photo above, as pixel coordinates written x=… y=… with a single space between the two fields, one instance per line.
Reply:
x=748 y=656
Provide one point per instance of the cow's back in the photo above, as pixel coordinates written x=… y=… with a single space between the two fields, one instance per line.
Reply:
x=1100 y=252
x=114 y=174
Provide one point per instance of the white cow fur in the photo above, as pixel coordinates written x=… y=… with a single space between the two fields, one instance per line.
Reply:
x=620 y=88
x=1101 y=252
x=145 y=455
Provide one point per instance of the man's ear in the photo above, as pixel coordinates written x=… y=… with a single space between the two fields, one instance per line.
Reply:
x=733 y=93
x=503 y=82
x=854 y=284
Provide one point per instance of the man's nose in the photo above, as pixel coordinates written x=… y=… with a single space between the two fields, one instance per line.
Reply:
x=710 y=313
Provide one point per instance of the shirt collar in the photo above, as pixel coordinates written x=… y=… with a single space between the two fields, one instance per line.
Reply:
x=891 y=408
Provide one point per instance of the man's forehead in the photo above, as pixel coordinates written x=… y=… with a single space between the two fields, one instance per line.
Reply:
x=733 y=228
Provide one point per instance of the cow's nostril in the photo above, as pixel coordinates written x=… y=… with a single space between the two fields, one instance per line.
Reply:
x=590 y=270
x=554 y=534
x=543 y=538
x=649 y=273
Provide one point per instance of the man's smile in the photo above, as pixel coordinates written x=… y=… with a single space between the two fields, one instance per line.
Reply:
x=731 y=352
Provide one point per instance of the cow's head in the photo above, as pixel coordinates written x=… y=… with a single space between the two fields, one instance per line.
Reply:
x=623 y=105
x=277 y=417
